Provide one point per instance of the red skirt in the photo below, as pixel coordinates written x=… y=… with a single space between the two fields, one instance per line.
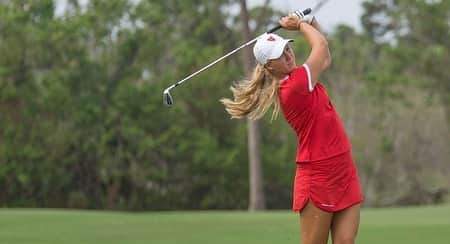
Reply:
x=331 y=184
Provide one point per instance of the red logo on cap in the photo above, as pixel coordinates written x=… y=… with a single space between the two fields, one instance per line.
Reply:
x=271 y=39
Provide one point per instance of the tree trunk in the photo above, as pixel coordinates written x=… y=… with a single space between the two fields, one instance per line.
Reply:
x=257 y=199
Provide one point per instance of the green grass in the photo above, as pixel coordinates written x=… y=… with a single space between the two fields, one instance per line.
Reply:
x=396 y=225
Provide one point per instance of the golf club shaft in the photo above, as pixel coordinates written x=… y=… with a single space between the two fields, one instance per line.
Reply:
x=305 y=12
x=211 y=64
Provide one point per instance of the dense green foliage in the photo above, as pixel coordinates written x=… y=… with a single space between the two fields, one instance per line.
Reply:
x=390 y=226
x=83 y=125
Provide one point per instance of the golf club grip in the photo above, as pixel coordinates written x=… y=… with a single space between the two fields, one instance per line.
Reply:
x=305 y=12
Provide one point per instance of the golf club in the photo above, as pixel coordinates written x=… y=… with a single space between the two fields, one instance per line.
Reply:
x=167 y=97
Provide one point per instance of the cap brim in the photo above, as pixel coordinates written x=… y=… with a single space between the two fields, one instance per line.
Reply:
x=278 y=50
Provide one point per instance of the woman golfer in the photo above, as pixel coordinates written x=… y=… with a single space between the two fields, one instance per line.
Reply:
x=327 y=191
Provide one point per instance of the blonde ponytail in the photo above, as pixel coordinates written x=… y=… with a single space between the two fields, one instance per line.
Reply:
x=252 y=98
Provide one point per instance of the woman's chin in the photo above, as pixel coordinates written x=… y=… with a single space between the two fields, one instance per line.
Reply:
x=291 y=67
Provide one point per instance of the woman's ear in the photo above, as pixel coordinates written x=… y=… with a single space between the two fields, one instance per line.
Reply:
x=268 y=67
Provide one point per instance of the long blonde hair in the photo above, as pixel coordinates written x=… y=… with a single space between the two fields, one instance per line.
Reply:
x=252 y=98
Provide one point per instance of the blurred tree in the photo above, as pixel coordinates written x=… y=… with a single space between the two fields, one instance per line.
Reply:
x=82 y=122
x=82 y=87
x=256 y=196
x=410 y=54
x=419 y=34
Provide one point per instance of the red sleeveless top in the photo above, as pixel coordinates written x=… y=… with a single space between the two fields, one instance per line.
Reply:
x=309 y=111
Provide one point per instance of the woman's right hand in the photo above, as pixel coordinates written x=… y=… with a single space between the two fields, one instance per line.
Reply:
x=290 y=22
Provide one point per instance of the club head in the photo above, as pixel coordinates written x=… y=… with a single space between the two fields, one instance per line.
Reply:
x=168 y=100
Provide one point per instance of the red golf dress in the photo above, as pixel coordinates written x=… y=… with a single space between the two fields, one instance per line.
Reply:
x=326 y=173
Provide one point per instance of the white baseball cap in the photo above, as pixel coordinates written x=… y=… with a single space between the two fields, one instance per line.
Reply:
x=269 y=46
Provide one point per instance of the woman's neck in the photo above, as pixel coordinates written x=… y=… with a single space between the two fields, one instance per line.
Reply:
x=280 y=77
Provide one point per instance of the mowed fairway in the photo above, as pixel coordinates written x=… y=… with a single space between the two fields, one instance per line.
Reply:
x=396 y=225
